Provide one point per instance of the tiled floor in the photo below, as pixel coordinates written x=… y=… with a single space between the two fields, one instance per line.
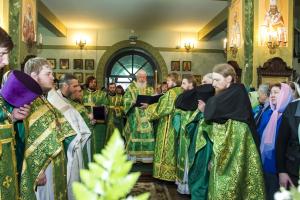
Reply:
x=146 y=176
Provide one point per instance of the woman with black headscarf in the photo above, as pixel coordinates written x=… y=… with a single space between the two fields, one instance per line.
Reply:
x=236 y=171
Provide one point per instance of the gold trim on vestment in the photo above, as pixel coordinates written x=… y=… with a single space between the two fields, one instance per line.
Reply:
x=140 y=153
x=6 y=126
x=142 y=140
x=164 y=166
x=46 y=165
x=40 y=139
x=37 y=114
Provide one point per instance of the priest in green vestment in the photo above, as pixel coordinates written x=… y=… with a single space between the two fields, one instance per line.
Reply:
x=180 y=120
x=93 y=97
x=138 y=130
x=115 y=111
x=44 y=168
x=76 y=102
x=164 y=163
x=236 y=171
x=10 y=117
x=79 y=146
x=200 y=147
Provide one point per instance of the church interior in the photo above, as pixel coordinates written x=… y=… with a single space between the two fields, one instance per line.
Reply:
x=165 y=33
x=113 y=40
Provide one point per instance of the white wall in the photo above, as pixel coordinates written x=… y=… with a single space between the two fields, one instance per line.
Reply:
x=202 y=62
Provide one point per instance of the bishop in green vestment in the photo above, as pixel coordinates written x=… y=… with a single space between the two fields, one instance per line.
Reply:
x=138 y=130
x=164 y=163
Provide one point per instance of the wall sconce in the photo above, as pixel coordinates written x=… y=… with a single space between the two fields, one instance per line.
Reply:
x=233 y=49
x=273 y=38
x=81 y=43
x=188 y=46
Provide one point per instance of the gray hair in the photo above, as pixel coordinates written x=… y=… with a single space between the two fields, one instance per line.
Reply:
x=209 y=76
x=264 y=88
x=141 y=71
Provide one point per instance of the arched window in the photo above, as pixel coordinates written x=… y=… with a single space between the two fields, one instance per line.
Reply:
x=124 y=65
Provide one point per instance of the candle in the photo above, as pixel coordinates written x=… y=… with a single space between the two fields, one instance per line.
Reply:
x=225 y=43
x=155 y=78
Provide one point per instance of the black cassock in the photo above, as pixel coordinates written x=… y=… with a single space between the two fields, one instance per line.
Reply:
x=287 y=145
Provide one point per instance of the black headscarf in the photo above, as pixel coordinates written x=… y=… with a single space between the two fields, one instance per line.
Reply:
x=188 y=100
x=232 y=103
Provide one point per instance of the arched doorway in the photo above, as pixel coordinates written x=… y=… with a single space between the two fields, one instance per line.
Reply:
x=104 y=67
x=125 y=64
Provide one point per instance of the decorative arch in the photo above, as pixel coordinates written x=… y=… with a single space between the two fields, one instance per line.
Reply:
x=102 y=66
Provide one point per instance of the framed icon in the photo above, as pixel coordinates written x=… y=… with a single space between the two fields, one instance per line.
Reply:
x=64 y=63
x=79 y=76
x=175 y=65
x=52 y=62
x=78 y=64
x=89 y=64
x=187 y=66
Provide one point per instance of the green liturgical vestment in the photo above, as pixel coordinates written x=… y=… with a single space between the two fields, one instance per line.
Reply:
x=180 y=120
x=115 y=115
x=47 y=129
x=8 y=164
x=90 y=99
x=138 y=131
x=164 y=164
x=199 y=155
x=236 y=167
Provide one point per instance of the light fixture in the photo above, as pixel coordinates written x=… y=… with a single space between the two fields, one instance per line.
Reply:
x=81 y=43
x=132 y=37
x=188 y=46
x=273 y=38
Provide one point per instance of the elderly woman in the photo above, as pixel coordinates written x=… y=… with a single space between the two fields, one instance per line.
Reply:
x=235 y=164
x=280 y=96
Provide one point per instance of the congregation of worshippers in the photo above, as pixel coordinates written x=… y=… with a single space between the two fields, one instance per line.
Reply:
x=216 y=140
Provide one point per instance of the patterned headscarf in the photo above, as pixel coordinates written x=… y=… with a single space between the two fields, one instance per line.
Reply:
x=268 y=137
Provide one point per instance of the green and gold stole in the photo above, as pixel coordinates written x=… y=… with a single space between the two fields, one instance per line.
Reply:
x=46 y=130
x=8 y=165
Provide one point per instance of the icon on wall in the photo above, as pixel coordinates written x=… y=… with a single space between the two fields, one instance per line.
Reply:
x=78 y=64
x=79 y=76
x=89 y=64
x=52 y=62
x=175 y=65
x=64 y=63
x=187 y=66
